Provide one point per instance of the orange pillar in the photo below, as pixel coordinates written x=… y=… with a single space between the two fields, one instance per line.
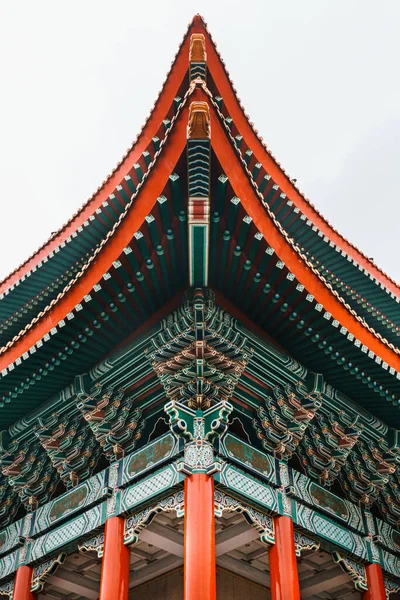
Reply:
x=376 y=586
x=200 y=578
x=283 y=563
x=114 y=581
x=23 y=582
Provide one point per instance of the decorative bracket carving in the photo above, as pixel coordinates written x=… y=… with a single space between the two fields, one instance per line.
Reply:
x=44 y=570
x=262 y=522
x=304 y=543
x=116 y=424
x=94 y=544
x=198 y=428
x=355 y=570
x=281 y=424
x=7 y=589
x=135 y=523
x=391 y=587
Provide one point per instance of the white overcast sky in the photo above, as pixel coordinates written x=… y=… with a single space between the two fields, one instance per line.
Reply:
x=320 y=79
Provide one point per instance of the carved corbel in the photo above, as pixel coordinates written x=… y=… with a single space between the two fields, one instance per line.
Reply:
x=355 y=570
x=44 y=570
x=135 y=523
x=304 y=543
x=262 y=522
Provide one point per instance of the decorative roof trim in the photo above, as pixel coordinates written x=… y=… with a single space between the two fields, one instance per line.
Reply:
x=115 y=241
x=198 y=27
x=169 y=88
x=387 y=351
x=217 y=69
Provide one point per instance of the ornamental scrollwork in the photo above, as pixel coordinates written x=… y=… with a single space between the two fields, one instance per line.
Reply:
x=44 y=570
x=262 y=522
x=391 y=587
x=355 y=570
x=94 y=544
x=304 y=543
x=7 y=589
x=138 y=521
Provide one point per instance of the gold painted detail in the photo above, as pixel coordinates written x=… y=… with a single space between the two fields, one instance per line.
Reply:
x=197 y=51
x=44 y=570
x=354 y=569
x=199 y=121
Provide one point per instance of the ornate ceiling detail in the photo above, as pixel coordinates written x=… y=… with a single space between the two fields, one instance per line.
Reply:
x=199 y=357
x=28 y=470
x=282 y=423
x=71 y=446
x=9 y=502
x=116 y=424
x=326 y=445
x=367 y=470
x=389 y=499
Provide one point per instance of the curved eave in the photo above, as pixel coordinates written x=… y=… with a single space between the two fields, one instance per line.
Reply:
x=217 y=69
x=113 y=245
x=143 y=203
x=287 y=252
x=168 y=92
x=21 y=302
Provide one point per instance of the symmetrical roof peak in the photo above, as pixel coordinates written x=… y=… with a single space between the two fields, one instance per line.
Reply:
x=146 y=236
x=195 y=41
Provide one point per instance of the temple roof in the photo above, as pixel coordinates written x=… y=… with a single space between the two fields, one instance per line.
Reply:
x=127 y=253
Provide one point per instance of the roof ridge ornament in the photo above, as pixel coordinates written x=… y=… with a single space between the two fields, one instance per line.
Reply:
x=199 y=121
x=197 y=57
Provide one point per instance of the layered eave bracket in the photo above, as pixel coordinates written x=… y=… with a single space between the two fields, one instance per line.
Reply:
x=245 y=248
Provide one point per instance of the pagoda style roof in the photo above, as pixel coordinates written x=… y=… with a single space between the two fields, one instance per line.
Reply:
x=199 y=201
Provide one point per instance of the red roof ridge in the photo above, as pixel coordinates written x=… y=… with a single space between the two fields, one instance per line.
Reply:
x=290 y=240
x=372 y=265
x=37 y=254
x=103 y=242
x=386 y=353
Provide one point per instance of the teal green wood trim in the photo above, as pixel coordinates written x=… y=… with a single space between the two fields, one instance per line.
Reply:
x=387 y=536
x=75 y=530
x=80 y=498
x=260 y=463
x=326 y=529
x=11 y=537
x=198 y=254
x=152 y=455
x=321 y=499
x=147 y=489
x=248 y=487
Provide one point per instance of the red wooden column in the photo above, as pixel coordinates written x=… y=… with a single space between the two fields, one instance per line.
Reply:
x=282 y=562
x=114 y=582
x=376 y=586
x=22 y=586
x=200 y=578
